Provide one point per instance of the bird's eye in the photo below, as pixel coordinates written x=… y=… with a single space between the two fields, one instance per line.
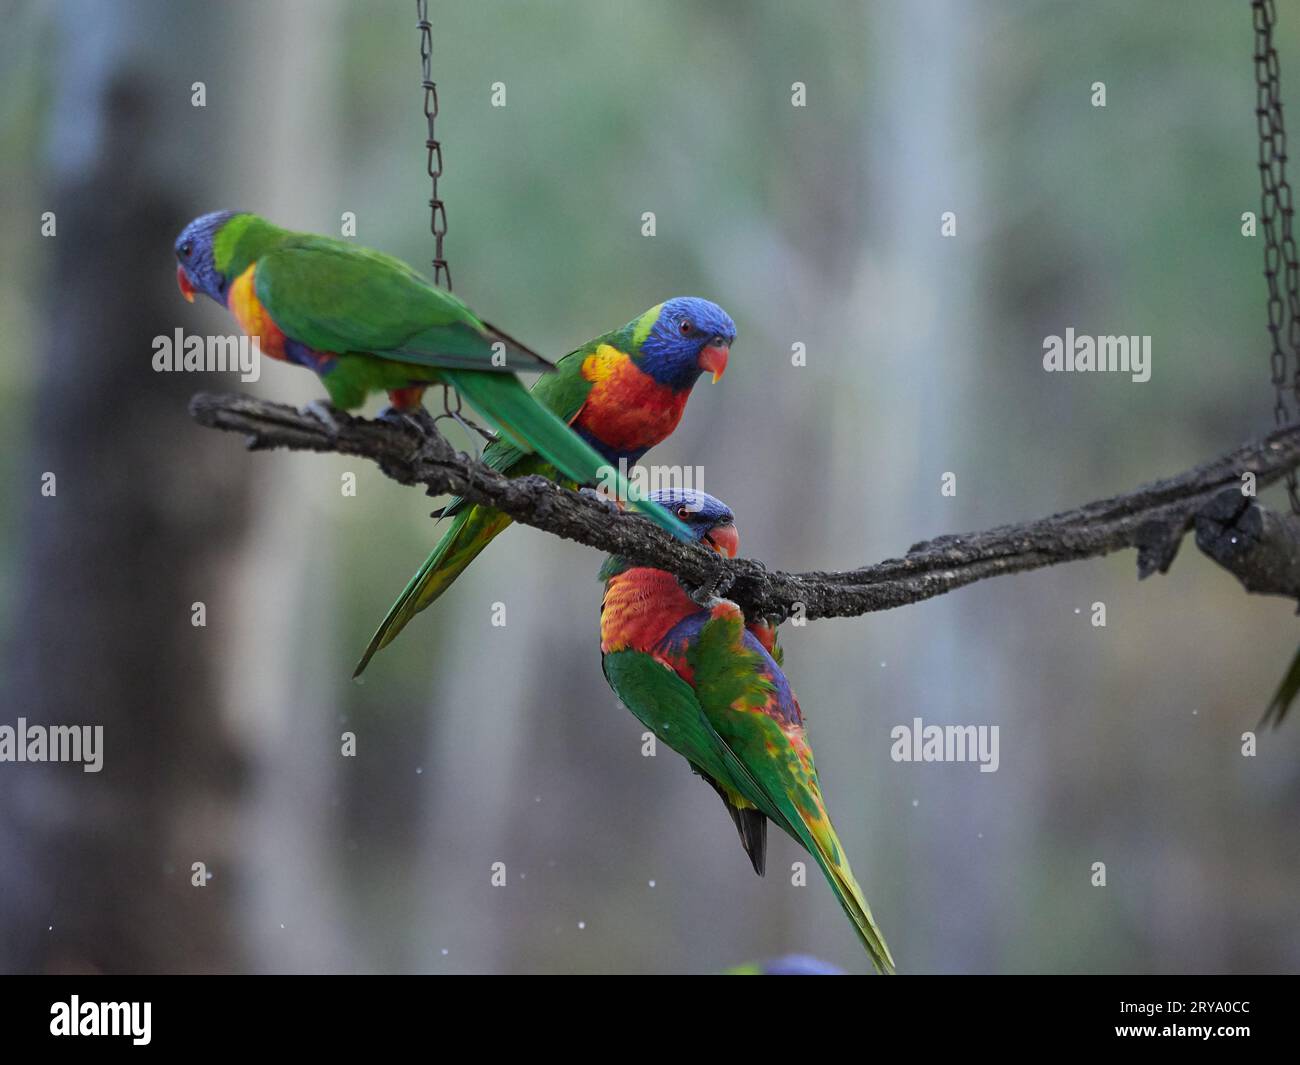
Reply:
x=683 y=512
x=687 y=327
x=187 y=249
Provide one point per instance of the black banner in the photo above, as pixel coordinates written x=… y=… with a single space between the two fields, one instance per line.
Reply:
x=334 y=1014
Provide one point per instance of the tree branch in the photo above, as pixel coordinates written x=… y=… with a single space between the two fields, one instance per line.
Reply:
x=1152 y=518
x=1260 y=547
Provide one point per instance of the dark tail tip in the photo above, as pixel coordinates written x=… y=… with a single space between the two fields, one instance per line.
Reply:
x=752 y=827
x=366 y=656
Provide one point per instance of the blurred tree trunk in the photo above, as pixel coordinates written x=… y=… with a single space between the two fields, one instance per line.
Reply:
x=286 y=669
x=930 y=169
x=96 y=872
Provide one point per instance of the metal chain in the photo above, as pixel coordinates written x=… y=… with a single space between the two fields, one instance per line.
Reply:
x=437 y=211
x=1275 y=203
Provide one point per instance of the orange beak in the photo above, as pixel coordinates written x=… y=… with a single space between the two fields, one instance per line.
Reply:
x=713 y=358
x=183 y=280
x=724 y=539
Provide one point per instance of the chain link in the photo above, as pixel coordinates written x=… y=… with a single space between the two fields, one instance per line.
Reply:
x=437 y=209
x=1276 y=206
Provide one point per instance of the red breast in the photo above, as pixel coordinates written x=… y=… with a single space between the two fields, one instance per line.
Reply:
x=627 y=410
x=641 y=605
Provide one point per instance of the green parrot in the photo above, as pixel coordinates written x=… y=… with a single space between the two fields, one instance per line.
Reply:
x=623 y=393
x=366 y=322
x=710 y=686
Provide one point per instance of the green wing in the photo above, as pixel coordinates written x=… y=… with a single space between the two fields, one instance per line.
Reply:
x=778 y=784
x=734 y=684
x=337 y=297
x=668 y=707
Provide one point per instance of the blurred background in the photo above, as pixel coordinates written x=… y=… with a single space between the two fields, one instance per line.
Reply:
x=479 y=744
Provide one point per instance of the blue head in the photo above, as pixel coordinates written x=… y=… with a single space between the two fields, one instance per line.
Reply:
x=708 y=518
x=196 y=265
x=687 y=337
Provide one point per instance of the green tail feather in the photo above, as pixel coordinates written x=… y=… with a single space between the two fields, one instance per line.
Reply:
x=855 y=905
x=850 y=896
x=503 y=400
x=473 y=529
x=1284 y=696
x=816 y=835
x=514 y=412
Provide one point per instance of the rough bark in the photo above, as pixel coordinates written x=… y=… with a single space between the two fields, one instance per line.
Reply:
x=1152 y=518
x=1259 y=546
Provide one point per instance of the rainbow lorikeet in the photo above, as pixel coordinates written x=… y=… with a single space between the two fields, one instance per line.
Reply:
x=711 y=687
x=623 y=393
x=365 y=322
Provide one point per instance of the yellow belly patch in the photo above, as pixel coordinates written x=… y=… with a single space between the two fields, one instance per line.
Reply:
x=252 y=316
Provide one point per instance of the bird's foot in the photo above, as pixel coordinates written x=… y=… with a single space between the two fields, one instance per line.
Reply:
x=324 y=413
x=703 y=596
x=408 y=417
x=710 y=593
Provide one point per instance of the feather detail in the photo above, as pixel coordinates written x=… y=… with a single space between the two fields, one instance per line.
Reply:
x=641 y=606
x=627 y=411
x=252 y=316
